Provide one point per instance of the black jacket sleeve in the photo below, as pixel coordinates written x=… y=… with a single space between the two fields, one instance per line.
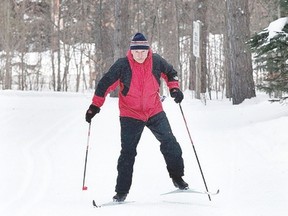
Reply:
x=109 y=78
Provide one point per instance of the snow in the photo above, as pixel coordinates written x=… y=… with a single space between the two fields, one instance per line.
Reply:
x=276 y=26
x=242 y=149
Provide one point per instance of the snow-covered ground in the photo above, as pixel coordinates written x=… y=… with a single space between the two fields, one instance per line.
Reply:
x=243 y=151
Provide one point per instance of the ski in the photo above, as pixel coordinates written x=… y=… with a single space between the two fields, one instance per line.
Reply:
x=112 y=203
x=192 y=191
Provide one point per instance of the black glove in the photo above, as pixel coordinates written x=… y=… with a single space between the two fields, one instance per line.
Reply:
x=177 y=95
x=91 y=112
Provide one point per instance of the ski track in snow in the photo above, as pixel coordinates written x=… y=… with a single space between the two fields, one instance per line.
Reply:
x=242 y=149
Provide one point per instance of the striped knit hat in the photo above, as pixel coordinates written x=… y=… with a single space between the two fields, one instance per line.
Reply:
x=139 y=42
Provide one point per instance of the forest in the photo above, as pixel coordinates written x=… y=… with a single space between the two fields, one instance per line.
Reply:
x=67 y=45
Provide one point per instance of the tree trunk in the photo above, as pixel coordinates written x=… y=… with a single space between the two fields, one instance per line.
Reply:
x=240 y=62
x=7 y=28
x=121 y=38
x=120 y=35
x=200 y=9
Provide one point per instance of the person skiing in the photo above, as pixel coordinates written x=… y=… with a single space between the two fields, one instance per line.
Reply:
x=138 y=76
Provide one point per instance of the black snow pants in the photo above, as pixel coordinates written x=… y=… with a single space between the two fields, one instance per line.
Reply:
x=131 y=131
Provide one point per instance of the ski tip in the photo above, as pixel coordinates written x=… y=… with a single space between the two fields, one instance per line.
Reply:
x=212 y=193
x=110 y=203
x=94 y=204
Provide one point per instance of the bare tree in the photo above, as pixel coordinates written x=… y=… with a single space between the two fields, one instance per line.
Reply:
x=55 y=43
x=240 y=61
x=199 y=75
x=7 y=74
x=98 y=40
x=120 y=32
x=78 y=25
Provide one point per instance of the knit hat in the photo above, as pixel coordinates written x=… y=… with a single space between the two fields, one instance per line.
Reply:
x=139 y=42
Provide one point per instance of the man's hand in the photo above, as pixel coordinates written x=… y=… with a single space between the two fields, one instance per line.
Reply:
x=177 y=95
x=91 y=112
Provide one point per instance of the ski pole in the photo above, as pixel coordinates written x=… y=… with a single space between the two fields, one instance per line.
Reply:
x=87 y=147
x=194 y=150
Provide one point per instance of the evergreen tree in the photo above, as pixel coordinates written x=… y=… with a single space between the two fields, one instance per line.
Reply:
x=283 y=7
x=270 y=47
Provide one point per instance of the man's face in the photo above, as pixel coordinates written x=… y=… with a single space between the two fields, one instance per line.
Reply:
x=139 y=55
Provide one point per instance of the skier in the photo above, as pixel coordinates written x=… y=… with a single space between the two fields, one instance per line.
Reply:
x=138 y=76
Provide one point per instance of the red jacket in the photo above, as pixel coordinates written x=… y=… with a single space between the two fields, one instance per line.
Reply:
x=139 y=85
